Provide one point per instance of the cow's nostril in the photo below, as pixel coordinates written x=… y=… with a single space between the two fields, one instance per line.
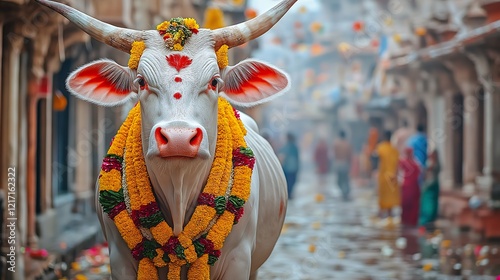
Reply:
x=161 y=136
x=196 y=139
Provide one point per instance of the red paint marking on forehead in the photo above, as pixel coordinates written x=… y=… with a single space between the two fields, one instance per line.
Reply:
x=178 y=79
x=179 y=61
x=177 y=95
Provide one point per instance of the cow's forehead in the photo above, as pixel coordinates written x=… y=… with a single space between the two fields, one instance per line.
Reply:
x=198 y=49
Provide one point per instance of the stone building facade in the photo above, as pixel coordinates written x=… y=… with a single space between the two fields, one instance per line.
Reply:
x=447 y=72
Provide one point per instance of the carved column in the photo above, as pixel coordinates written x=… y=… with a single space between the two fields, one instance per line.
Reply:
x=465 y=76
x=82 y=154
x=1 y=53
x=41 y=44
x=486 y=71
x=433 y=102
x=10 y=132
x=452 y=153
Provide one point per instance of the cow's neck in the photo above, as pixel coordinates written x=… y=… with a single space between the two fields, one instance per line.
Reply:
x=177 y=185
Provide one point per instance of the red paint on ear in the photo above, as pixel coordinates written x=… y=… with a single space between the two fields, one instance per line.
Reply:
x=261 y=75
x=92 y=75
x=179 y=61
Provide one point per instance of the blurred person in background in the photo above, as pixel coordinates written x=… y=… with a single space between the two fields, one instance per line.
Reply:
x=387 y=157
x=410 y=189
x=342 y=156
x=290 y=161
x=400 y=137
x=429 y=206
x=418 y=142
x=322 y=161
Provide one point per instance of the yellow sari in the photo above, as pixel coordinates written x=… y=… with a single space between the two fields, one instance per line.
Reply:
x=388 y=189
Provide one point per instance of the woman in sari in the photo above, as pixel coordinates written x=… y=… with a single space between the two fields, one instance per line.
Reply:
x=410 y=189
x=388 y=189
x=429 y=207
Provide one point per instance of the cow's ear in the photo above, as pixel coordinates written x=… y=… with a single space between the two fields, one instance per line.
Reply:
x=102 y=82
x=252 y=82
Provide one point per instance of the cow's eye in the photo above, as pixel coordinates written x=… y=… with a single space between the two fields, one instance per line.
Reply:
x=216 y=81
x=141 y=82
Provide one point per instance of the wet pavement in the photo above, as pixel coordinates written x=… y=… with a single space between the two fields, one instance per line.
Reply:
x=327 y=238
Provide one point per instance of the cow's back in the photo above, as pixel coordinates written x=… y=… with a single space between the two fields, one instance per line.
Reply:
x=272 y=193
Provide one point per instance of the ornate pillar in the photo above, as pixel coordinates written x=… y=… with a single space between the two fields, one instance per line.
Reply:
x=465 y=76
x=452 y=153
x=41 y=44
x=433 y=102
x=82 y=154
x=10 y=135
x=487 y=71
x=1 y=53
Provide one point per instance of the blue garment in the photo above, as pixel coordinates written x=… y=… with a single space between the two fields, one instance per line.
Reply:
x=290 y=164
x=418 y=143
x=290 y=154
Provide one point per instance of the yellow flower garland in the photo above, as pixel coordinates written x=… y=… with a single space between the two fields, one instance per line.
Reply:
x=138 y=48
x=222 y=58
x=220 y=204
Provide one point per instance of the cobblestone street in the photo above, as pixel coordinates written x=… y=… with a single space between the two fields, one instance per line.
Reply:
x=326 y=238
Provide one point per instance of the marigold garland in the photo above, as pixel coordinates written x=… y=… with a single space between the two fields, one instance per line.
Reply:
x=222 y=58
x=136 y=51
x=176 y=31
x=125 y=194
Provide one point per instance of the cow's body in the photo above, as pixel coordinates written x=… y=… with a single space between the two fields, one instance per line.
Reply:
x=252 y=239
x=178 y=78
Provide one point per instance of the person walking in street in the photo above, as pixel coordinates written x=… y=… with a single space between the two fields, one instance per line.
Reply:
x=410 y=189
x=290 y=161
x=429 y=207
x=418 y=142
x=322 y=161
x=342 y=155
x=388 y=189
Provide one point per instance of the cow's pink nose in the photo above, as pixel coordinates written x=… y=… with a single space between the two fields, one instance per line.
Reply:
x=178 y=142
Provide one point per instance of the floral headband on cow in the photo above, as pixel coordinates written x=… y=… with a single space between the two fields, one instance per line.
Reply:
x=175 y=34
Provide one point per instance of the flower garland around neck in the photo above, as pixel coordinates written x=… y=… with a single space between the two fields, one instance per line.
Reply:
x=126 y=195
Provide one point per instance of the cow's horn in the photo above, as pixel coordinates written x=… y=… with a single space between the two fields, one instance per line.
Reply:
x=236 y=35
x=120 y=38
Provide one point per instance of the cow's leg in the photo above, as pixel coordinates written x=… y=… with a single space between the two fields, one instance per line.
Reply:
x=237 y=263
x=124 y=266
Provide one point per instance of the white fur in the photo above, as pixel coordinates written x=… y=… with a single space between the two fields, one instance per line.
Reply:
x=178 y=182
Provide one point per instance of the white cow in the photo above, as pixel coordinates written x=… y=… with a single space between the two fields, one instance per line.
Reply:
x=182 y=111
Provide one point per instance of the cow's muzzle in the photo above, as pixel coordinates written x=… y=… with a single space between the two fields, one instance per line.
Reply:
x=178 y=142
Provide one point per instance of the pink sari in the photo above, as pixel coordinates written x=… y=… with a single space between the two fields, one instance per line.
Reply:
x=410 y=189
